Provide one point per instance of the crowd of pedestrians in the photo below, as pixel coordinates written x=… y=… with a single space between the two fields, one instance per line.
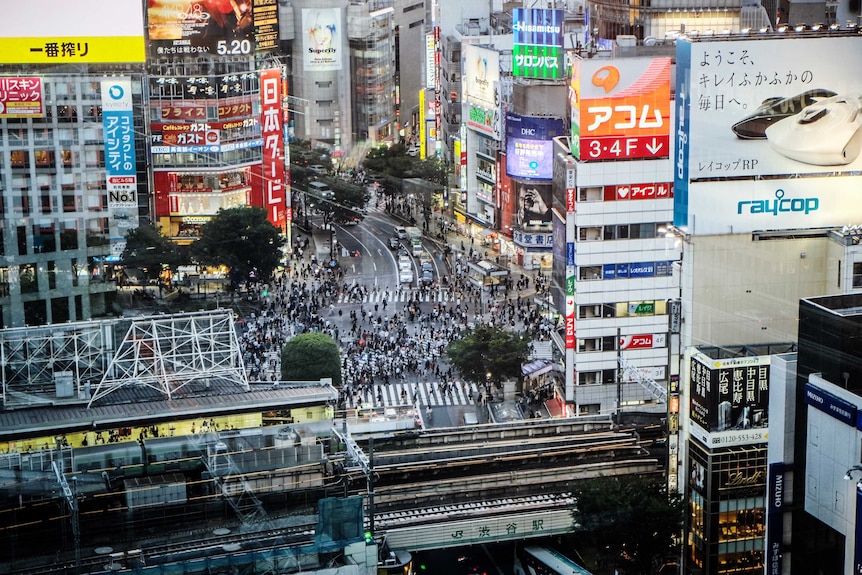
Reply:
x=396 y=339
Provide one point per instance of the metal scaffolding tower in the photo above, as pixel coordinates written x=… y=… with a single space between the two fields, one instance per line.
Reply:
x=167 y=353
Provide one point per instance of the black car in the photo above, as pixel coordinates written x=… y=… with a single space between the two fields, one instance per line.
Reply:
x=394 y=243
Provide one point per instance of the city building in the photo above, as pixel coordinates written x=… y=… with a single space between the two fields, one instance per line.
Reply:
x=72 y=156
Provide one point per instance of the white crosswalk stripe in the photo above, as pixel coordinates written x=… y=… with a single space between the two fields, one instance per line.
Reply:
x=398 y=296
x=426 y=393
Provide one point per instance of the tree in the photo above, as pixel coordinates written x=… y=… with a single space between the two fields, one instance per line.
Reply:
x=147 y=249
x=241 y=239
x=487 y=350
x=632 y=520
x=309 y=357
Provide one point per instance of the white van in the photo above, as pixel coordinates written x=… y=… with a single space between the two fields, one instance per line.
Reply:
x=321 y=190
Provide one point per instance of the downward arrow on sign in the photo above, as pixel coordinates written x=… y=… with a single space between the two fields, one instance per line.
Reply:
x=653 y=147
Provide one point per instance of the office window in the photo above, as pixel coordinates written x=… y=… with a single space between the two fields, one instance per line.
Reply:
x=857 y=274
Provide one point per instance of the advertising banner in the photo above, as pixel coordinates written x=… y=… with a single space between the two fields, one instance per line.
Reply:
x=537 y=62
x=534 y=204
x=430 y=69
x=481 y=79
x=530 y=159
x=538 y=43
x=273 y=147
x=620 y=111
x=265 y=13
x=120 y=163
x=655 y=191
x=212 y=27
x=643 y=341
x=770 y=107
x=79 y=32
x=21 y=97
x=775 y=519
x=730 y=395
x=534 y=128
x=772 y=204
x=484 y=121
x=322 y=35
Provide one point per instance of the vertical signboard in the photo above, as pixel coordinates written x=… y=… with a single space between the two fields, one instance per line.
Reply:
x=681 y=133
x=857 y=536
x=273 y=146
x=118 y=124
x=537 y=51
x=575 y=106
x=775 y=519
x=21 y=97
x=729 y=399
x=323 y=41
x=265 y=25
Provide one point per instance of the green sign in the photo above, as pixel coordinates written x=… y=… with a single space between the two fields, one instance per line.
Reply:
x=643 y=308
x=529 y=61
x=570 y=285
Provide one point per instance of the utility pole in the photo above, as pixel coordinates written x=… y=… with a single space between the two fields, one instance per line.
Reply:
x=619 y=412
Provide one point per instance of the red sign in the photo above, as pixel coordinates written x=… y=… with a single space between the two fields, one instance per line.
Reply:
x=570 y=331
x=655 y=191
x=570 y=200
x=274 y=193
x=643 y=341
x=624 y=148
x=236 y=106
x=21 y=98
x=206 y=138
x=180 y=111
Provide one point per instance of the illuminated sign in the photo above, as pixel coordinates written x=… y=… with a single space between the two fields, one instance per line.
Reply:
x=767 y=109
x=620 y=110
x=654 y=191
x=321 y=28
x=216 y=27
x=118 y=123
x=534 y=207
x=21 y=97
x=532 y=159
x=265 y=14
x=729 y=400
x=274 y=192
x=484 y=121
x=537 y=50
x=80 y=32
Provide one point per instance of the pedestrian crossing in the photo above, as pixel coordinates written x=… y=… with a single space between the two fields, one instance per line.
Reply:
x=425 y=393
x=400 y=296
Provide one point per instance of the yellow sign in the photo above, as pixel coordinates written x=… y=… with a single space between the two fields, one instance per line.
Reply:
x=73 y=50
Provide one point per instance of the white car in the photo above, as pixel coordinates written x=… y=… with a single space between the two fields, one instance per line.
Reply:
x=405 y=276
x=401 y=233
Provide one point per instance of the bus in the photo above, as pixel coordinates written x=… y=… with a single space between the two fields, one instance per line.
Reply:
x=545 y=561
x=415 y=237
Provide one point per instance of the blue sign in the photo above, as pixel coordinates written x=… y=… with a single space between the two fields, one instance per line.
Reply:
x=538 y=27
x=119 y=143
x=831 y=405
x=636 y=270
x=681 y=133
x=642 y=270
x=530 y=159
x=533 y=128
x=570 y=253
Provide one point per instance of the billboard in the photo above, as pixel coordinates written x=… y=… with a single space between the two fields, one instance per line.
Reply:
x=274 y=188
x=537 y=51
x=729 y=399
x=322 y=44
x=265 y=13
x=21 y=97
x=534 y=204
x=118 y=123
x=652 y=191
x=80 y=32
x=767 y=108
x=529 y=146
x=484 y=121
x=620 y=110
x=719 y=207
x=481 y=78
x=212 y=27
x=530 y=159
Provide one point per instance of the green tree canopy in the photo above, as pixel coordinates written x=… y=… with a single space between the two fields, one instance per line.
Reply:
x=633 y=520
x=147 y=249
x=487 y=350
x=309 y=357
x=241 y=239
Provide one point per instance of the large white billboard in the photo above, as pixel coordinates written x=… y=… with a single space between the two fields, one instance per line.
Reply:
x=322 y=39
x=778 y=109
x=481 y=83
x=770 y=107
x=79 y=32
x=741 y=207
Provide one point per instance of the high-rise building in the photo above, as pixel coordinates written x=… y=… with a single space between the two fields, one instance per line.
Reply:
x=71 y=155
